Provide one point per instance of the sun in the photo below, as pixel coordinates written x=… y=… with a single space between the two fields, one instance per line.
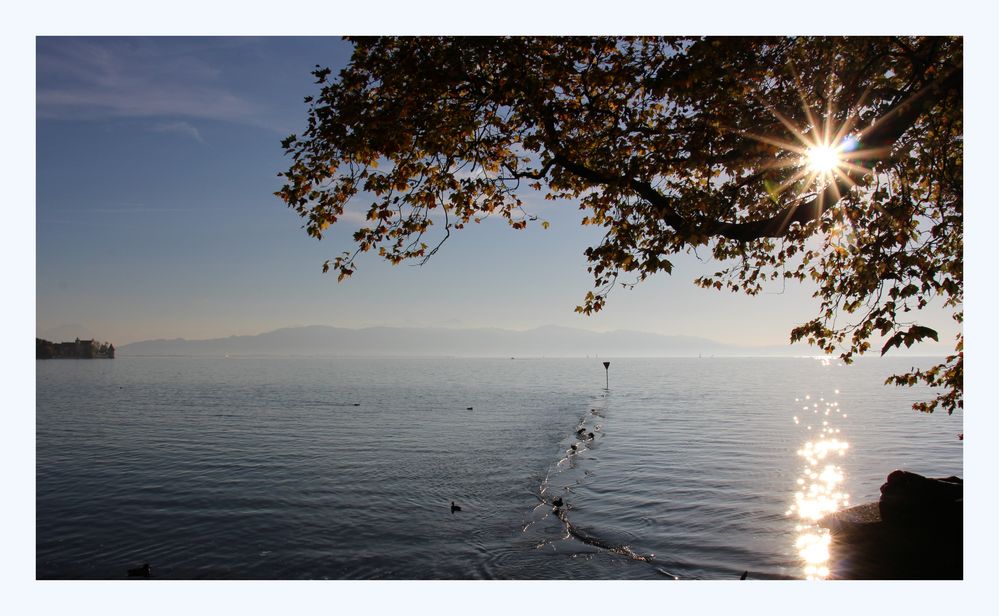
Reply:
x=823 y=159
x=824 y=154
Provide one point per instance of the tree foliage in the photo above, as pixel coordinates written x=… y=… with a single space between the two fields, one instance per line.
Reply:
x=668 y=145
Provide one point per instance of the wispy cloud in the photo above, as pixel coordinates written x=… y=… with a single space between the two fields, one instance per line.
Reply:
x=183 y=128
x=145 y=210
x=97 y=78
x=123 y=208
x=84 y=216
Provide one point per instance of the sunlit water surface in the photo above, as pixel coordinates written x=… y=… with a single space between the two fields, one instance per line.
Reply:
x=334 y=468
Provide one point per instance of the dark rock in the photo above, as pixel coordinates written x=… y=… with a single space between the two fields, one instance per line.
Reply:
x=908 y=498
x=914 y=532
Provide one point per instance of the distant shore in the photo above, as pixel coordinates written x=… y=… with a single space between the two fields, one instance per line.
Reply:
x=78 y=349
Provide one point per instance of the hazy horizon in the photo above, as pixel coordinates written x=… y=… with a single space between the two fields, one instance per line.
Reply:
x=797 y=349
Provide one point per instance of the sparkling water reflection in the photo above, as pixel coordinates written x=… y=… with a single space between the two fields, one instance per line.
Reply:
x=820 y=485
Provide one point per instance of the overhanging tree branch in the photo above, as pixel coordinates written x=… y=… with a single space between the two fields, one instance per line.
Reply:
x=880 y=137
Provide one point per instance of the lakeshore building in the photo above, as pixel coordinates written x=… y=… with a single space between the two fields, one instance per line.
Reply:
x=78 y=349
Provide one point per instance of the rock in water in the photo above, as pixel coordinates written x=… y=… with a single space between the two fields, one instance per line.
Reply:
x=908 y=498
x=915 y=531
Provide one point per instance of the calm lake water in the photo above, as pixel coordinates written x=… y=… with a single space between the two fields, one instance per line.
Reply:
x=294 y=468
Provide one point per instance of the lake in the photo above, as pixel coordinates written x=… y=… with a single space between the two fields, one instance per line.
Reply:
x=332 y=468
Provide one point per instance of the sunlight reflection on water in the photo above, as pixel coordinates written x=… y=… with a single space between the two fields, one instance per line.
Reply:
x=819 y=487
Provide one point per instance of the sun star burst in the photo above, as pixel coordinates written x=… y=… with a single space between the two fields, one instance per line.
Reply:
x=822 y=159
x=823 y=153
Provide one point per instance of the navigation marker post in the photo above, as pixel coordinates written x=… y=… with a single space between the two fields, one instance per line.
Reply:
x=607 y=371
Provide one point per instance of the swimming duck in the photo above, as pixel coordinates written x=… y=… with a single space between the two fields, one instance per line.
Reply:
x=142 y=571
x=454 y=507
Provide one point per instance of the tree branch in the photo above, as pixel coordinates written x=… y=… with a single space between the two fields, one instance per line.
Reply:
x=879 y=137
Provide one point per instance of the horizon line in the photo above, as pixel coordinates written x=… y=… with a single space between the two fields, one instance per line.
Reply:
x=738 y=345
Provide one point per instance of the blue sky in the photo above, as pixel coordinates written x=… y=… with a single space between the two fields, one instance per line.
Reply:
x=157 y=160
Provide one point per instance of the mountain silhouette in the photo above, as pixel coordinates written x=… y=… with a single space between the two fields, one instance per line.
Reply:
x=549 y=341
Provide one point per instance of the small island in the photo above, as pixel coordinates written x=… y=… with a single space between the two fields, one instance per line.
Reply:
x=78 y=349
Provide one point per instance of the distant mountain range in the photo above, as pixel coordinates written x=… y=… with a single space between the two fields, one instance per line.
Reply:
x=550 y=341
